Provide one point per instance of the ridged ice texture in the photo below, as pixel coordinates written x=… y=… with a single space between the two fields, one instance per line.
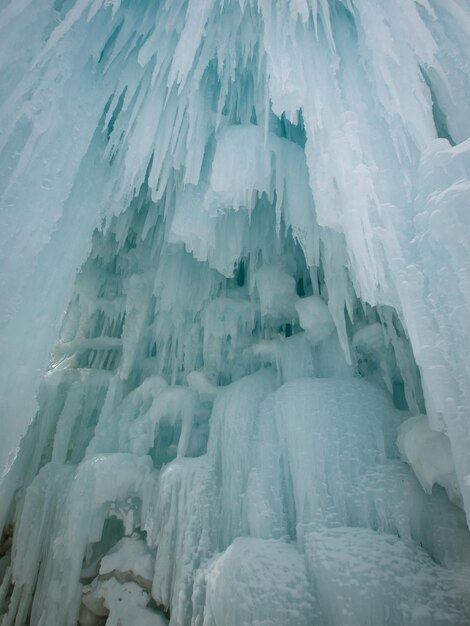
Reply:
x=112 y=92
x=234 y=251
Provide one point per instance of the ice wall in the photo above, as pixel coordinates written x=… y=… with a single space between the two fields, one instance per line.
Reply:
x=235 y=312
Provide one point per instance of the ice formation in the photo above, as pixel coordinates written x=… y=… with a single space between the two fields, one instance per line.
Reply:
x=235 y=312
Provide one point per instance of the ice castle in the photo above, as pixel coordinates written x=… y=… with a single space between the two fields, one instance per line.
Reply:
x=235 y=312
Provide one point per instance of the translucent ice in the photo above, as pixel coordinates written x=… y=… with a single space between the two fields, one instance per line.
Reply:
x=234 y=312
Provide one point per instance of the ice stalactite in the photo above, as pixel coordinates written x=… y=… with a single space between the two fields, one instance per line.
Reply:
x=235 y=312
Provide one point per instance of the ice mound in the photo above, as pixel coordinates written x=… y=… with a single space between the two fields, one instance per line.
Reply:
x=331 y=431
x=407 y=588
x=255 y=581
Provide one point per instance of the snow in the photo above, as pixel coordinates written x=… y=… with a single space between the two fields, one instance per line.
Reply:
x=121 y=604
x=409 y=589
x=234 y=312
x=315 y=318
x=257 y=582
x=430 y=456
x=130 y=556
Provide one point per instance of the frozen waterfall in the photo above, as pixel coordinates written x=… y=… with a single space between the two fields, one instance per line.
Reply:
x=235 y=312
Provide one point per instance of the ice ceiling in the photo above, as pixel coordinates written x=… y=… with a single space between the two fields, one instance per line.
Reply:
x=235 y=312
